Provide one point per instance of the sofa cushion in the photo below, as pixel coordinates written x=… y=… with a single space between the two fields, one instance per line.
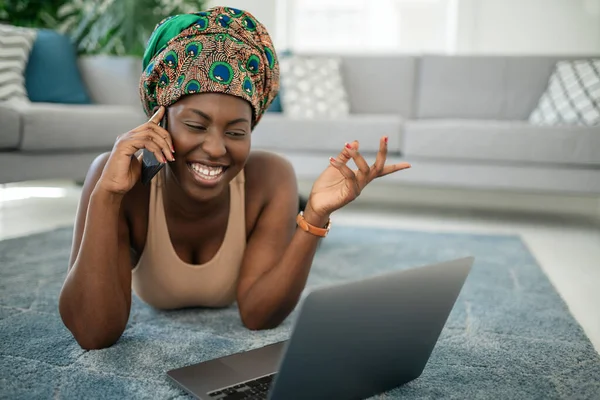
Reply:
x=276 y=104
x=482 y=87
x=48 y=126
x=380 y=84
x=52 y=75
x=505 y=141
x=278 y=132
x=440 y=173
x=15 y=47
x=10 y=132
x=461 y=87
x=314 y=87
x=526 y=80
x=572 y=96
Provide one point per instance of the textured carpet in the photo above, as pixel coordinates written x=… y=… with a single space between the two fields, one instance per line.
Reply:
x=509 y=336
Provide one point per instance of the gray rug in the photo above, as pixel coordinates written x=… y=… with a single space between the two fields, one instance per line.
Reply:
x=509 y=336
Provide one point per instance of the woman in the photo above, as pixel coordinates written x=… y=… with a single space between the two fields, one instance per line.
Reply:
x=218 y=223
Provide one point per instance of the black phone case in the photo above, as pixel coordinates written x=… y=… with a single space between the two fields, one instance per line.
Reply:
x=150 y=165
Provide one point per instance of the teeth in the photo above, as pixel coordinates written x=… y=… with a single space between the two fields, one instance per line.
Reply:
x=207 y=172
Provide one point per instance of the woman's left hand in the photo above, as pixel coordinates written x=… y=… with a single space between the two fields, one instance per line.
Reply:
x=338 y=185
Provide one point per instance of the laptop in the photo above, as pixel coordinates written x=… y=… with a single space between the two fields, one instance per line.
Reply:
x=349 y=341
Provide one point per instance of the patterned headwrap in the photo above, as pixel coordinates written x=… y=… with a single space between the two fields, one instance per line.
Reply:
x=223 y=50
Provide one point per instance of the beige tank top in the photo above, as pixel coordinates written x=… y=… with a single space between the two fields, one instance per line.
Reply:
x=164 y=281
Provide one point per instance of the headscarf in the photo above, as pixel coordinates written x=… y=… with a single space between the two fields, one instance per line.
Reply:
x=223 y=50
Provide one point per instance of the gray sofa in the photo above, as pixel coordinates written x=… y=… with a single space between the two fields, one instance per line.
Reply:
x=41 y=141
x=460 y=120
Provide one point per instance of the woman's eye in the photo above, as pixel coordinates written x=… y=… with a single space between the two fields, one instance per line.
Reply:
x=237 y=134
x=196 y=127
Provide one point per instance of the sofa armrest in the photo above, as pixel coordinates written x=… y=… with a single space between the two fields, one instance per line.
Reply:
x=11 y=124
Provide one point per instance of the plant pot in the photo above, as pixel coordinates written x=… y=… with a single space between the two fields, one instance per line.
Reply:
x=112 y=79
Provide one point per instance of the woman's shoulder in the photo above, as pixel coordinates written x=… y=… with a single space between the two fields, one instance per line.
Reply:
x=265 y=174
x=265 y=171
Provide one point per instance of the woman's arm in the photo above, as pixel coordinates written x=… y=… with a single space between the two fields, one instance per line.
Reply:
x=279 y=255
x=95 y=299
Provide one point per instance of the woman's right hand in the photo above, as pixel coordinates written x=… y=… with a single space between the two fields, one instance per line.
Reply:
x=123 y=170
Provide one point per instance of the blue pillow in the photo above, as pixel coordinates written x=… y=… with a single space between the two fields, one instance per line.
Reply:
x=52 y=74
x=276 y=104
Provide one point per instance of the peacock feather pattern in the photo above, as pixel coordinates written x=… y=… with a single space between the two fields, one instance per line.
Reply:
x=223 y=50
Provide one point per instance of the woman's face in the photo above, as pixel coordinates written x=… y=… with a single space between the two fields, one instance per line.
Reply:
x=211 y=137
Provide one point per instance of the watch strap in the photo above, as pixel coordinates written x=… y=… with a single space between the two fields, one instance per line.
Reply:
x=305 y=226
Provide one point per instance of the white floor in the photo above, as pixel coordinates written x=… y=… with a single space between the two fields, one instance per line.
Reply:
x=567 y=249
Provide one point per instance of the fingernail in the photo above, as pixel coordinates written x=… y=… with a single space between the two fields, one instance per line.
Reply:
x=331 y=159
x=385 y=139
x=348 y=146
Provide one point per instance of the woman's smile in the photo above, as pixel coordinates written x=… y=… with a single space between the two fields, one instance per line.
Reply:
x=207 y=175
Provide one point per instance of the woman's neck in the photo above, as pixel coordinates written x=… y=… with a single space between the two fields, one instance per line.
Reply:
x=178 y=204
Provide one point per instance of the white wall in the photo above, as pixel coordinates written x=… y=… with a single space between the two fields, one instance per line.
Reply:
x=453 y=26
x=528 y=26
x=264 y=10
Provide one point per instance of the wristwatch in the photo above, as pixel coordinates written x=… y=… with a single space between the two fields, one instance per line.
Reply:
x=305 y=226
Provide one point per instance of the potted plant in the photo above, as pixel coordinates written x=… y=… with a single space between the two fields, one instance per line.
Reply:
x=111 y=35
x=117 y=27
x=98 y=27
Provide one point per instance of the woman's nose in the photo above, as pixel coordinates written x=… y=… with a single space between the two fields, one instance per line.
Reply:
x=214 y=144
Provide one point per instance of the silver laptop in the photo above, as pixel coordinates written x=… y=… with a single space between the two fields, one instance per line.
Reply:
x=349 y=341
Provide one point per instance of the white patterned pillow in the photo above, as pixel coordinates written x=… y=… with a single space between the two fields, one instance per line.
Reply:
x=572 y=96
x=15 y=47
x=313 y=87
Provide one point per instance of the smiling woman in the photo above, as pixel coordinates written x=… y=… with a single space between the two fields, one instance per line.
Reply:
x=224 y=123
x=219 y=223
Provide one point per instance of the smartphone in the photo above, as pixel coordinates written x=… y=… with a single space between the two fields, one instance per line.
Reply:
x=150 y=165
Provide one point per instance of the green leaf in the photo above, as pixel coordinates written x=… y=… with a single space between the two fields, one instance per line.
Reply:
x=113 y=27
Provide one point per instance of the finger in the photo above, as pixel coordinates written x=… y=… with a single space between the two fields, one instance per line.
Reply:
x=380 y=159
x=154 y=124
x=345 y=155
x=158 y=115
x=346 y=173
x=363 y=168
x=150 y=146
x=135 y=144
x=152 y=135
x=132 y=144
x=164 y=134
x=388 y=169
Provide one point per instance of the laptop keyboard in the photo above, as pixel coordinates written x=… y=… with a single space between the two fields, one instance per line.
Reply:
x=257 y=389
